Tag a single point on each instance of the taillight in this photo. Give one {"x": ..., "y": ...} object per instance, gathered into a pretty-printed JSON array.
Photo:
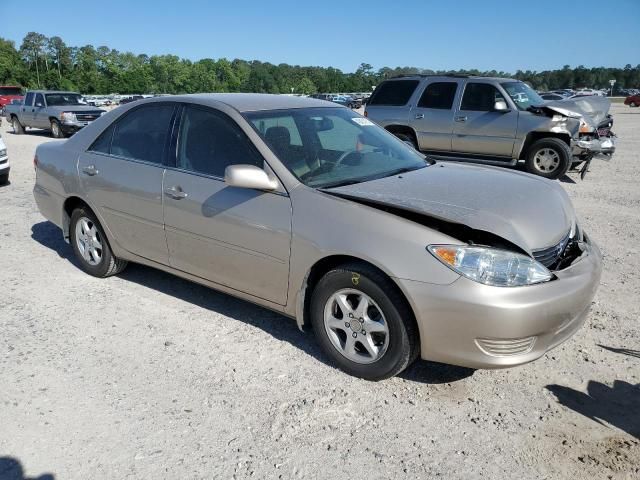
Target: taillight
[
  {"x": 365, "y": 113},
  {"x": 35, "y": 162}
]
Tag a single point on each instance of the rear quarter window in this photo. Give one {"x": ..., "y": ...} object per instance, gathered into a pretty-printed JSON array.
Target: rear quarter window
[{"x": 393, "y": 93}]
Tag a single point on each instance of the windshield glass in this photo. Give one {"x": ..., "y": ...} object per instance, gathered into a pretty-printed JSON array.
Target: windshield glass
[
  {"x": 522, "y": 95},
  {"x": 57, "y": 99},
  {"x": 328, "y": 147},
  {"x": 10, "y": 91}
]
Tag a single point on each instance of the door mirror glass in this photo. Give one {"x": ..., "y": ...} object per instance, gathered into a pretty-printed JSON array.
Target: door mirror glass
[
  {"x": 248, "y": 176},
  {"x": 500, "y": 106}
]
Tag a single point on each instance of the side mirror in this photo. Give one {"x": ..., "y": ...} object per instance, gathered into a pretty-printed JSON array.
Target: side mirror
[
  {"x": 500, "y": 106},
  {"x": 248, "y": 176},
  {"x": 39, "y": 105}
]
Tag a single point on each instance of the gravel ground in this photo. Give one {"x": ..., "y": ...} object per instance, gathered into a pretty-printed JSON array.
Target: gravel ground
[{"x": 145, "y": 375}]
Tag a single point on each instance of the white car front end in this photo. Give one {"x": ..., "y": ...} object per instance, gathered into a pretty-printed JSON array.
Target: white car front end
[{"x": 4, "y": 162}]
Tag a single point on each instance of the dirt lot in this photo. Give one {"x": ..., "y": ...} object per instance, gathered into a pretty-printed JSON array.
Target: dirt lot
[{"x": 145, "y": 375}]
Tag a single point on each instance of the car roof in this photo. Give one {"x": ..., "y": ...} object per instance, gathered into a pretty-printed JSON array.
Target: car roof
[
  {"x": 251, "y": 102},
  {"x": 53, "y": 91},
  {"x": 454, "y": 75}
]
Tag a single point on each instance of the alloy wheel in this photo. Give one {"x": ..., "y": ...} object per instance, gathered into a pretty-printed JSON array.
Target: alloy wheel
[
  {"x": 356, "y": 326},
  {"x": 546, "y": 160},
  {"x": 88, "y": 241}
]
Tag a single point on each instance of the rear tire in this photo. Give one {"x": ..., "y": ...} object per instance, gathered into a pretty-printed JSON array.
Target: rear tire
[
  {"x": 548, "y": 158},
  {"x": 56, "y": 129},
  {"x": 91, "y": 246},
  {"x": 18, "y": 129},
  {"x": 633, "y": 104},
  {"x": 4, "y": 179},
  {"x": 384, "y": 337}
]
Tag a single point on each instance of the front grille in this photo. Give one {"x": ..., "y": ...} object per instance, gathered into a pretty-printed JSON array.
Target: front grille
[
  {"x": 87, "y": 117},
  {"x": 549, "y": 256},
  {"x": 501, "y": 347}
]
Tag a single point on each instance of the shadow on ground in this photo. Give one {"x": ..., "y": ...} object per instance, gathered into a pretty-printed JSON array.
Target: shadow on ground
[
  {"x": 622, "y": 351},
  {"x": 11, "y": 469},
  {"x": 279, "y": 326},
  {"x": 618, "y": 405}
]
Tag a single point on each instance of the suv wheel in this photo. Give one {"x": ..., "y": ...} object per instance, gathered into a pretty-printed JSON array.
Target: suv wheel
[
  {"x": 633, "y": 104},
  {"x": 548, "y": 157},
  {"x": 408, "y": 139},
  {"x": 91, "y": 247},
  {"x": 363, "y": 323}
]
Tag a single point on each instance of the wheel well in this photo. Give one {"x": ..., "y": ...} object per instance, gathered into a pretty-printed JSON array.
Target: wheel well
[
  {"x": 402, "y": 129},
  {"x": 70, "y": 204},
  {"x": 53, "y": 118},
  {"x": 535, "y": 136},
  {"x": 325, "y": 265}
]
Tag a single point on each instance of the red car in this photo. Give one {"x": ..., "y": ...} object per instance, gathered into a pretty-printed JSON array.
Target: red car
[
  {"x": 9, "y": 93},
  {"x": 632, "y": 100}
]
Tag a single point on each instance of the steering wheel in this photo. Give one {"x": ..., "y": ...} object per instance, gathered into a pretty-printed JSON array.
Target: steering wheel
[{"x": 343, "y": 157}]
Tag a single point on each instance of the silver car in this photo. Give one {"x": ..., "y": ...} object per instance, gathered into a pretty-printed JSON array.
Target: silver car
[{"x": 306, "y": 208}]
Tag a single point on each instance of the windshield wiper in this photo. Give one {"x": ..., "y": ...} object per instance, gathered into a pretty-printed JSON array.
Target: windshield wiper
[{"x": 343, "y": 183}]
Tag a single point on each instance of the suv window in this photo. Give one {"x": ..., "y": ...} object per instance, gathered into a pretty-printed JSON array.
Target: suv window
[
  {"x": 39, "y": 99},
  {"x": 28, "y": 100},
  {"x": 142, "y": 133},
  {"x": 439, "y": 95},
  {"x": 210, "y": 141},
  {"x": 394, "y": 92},
  {"x": 480, "y": 97}
]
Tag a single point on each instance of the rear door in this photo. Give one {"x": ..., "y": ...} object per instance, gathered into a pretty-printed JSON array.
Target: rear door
[
  {"x": 388, "y": 104},
  {"x": 236, "y": 237},
  {"x": 122, "y": 173},
  {"x": 432, "y": 117},
  {"x": 478, "y": 128}
]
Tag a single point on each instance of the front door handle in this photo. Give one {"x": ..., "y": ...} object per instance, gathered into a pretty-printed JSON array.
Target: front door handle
[
  {"x": 175, "y": 192},
  {"x": 90, "y": 170},
  {"x": 461, "y": 119},
  {"x": 419, "y": 116}
]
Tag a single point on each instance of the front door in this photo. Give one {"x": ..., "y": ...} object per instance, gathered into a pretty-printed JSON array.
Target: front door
[
  {"x": 479, "y": 128},
  {"x": 236, "y": 237},
  {"x": 40, "y": 119},
  {"x": 432, "y": 118},
  {"x": 121, "y": 175}
]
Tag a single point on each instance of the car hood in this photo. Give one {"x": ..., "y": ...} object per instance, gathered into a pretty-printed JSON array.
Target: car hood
[
  {"x": 528, "y": 211},
  {"x": 594, "y": 109},
  {"x": 74, "y": 108}
]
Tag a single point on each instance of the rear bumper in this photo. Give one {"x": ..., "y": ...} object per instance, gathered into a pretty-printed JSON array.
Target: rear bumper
[{"x": 479, "y": 326}]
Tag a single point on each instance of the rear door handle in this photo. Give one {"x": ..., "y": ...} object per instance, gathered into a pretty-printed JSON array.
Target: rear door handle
[
  {"x": 90, "y": 170},
  {"x": 460, "y": 119},
  {"x": 419, "y": 116},
  {"x": 175, "y": 192}
]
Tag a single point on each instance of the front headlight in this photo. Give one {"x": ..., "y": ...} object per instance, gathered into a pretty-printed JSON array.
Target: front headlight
[
  {"x": 491, "y": 266},
  {"x": 68, "y": 117}
]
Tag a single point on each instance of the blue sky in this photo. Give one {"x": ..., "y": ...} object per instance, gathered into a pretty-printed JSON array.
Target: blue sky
[{"x": 445, "y": 34}]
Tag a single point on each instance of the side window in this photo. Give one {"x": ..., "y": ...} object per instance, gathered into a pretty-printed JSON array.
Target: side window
[
  {"x": 439, "y": 95},
  {"x": 102, "y": 144},
  {"x": 142, "y": 133},
  {"x": 28, "y": 99},
  {"x": 480, "y": 97},
  {"x": 39, "y": 99},
  {"x": 393, "y": 93},
  {"x": 210, "y": 141}
]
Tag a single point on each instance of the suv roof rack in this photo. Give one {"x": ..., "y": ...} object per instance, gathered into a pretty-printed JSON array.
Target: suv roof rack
[{"x": 425, "y": 75}]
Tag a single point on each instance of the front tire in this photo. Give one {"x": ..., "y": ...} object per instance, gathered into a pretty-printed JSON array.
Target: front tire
[
  {"x": 363, "y": 323},
  {"x": 90, "y": 245},
  {"x": 4, "y": 179},
  {"x": 56, "y": 129},
  {"x": 408, "y": 139},
  {"x": 633, "y": 104},
  {"x": 549, "y": 158}
]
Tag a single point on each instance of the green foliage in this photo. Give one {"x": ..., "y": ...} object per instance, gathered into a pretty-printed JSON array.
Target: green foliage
[{"x": 50, "y": 63}]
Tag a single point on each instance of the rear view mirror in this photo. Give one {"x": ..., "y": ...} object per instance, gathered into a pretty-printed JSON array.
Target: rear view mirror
[
  {"x": 500, "y": 106},
  {"x": 248, "y": 176},
  {"x": 322, "y": 124}
]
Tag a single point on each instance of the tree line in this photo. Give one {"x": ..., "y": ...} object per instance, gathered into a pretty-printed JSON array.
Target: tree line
[{"x": 48, "y": 62}]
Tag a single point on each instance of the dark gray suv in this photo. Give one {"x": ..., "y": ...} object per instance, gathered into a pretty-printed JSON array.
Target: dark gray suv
[{"x": 497, "y": 121}]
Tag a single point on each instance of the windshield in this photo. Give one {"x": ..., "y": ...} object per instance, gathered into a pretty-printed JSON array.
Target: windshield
[
  {"x": 6, "y": 91},
  {"x": 522, "y": 95},
  {"x": 328, "y": 147},
  {"x": 57, "y": 99}
]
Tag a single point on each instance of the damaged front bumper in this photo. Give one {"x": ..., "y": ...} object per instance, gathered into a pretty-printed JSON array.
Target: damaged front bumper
[{"x": 602, "y": 148}]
